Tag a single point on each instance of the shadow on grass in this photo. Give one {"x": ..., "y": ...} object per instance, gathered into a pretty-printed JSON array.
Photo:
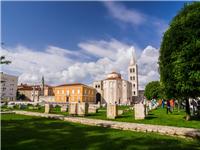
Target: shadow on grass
[{"x": 47, "y": 134}]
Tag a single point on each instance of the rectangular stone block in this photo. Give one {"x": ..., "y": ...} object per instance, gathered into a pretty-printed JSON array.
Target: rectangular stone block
[
  {"x": 120, "y": 112},
  {"x": 47, "y": 108},
  {"x": 112, "y": 111},
  {"x": 82, "y": 109},
  {"x": 72, "y": 108},
  {"x": 63, "y": 108},
  {"x": 139, "y": 111},
  {"x": 92, "y": 110}
]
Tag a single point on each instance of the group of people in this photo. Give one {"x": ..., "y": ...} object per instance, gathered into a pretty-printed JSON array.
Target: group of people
[{"x": 169, "y": 105}]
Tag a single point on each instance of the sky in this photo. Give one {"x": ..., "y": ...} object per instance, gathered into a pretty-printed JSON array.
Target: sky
[{"x": 70, "y": 42}]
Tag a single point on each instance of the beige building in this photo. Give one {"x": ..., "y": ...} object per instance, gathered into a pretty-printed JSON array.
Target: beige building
[
  {"x": 34, "y": 92},
  {"x": 113, "y": 89},
  {"x": 8, "y": 87},
  {"x": 75, "y": 92}
]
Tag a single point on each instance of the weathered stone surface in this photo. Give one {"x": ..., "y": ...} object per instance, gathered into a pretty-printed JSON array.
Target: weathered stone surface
[
  {"x": 120, "y": 112},
  {"x": 63, "y": 108},
  {"x": 139, "y": 111},
  {"x": 73, "y": 108},
  {"x": 47, "y": 108},
  {"x": 112, "y": 111},
  {"x": 82, "y": 109}
]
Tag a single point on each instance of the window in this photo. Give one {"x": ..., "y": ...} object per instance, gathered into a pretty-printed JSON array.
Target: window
[
  {"x": 73, "y": 91},
  {"x": 98, "y": 86},
  {"x": 130, "y": 70},
  {"x": 133, "y": 85},
  {"x": 78, "y": 91},
  {"x": 95, "y": 86},
  {"x": 134, "y": 92},
  {"x": 57, "y": 91},
  {"x": 133, "y": 69},
  {"x": 131, "y": 78},
  {"x": 85, "y": 91},
  {"x": 62, "y": 91},
  {"x": 67, "y": 92}
]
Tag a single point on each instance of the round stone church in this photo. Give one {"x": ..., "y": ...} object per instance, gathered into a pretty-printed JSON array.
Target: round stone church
[{"x": 115, "y": 90}]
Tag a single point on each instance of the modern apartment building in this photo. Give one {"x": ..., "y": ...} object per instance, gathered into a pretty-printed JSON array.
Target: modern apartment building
[{"x": 8, "y": 87}]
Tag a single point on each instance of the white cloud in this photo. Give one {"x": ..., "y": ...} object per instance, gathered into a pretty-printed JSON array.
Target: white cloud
[
  {"x": 148, "y": 66},
  {"x": 121, "y": 13},
  {"x": 61, "y": 66},
  {"x": 135, "y": 18}
]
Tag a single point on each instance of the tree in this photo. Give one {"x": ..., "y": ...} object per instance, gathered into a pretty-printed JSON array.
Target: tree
[
  {"x": 179, "y": 61},
  {"x": 153, "y": 90},
  {"x": 3, "y": 61}
]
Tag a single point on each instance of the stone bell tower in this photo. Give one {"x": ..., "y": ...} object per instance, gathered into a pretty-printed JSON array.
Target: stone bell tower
[{"x": 133, "y": 73}]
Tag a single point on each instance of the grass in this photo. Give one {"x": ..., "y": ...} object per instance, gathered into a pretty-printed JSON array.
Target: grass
[
  {"x": 156, "y": 117},
  {"x": 30, "y": 133}
]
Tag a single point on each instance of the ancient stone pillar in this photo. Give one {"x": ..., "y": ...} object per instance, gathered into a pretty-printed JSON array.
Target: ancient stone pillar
[
  {"x": 112, "y": 111},
  {"x": 82, "y": 109},
  {"x": 47, "y": 108},
  {"x": 139, "y": 111},
  {"x": 72, "y": 108}
]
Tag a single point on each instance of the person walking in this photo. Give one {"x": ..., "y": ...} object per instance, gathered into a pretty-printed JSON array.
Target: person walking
[{"x": 168, "y": 107}]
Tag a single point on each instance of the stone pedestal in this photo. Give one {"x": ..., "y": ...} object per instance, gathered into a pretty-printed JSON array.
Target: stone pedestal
[
  {"x": 82, "y": 109},
  {"x": 139, "y": 111},
  {"x": 112, "y": 111},
  {"x": 120, "y": 112},
  {"x": 47, "y": 108},
  {"x": 72, "y": 108},
  {"x": 92, "y": 109},
  {"x": 63, "y": 108}
]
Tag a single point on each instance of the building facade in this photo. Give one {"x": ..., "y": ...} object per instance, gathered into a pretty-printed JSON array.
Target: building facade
[
  {"x": 8, "y": 86},
  {"x": 76, "y": 92},
  {"x": 34, "y": 92},
  {"x": 114, "y": 89}
]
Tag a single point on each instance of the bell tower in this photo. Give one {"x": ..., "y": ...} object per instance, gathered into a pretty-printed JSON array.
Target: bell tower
[{"x": 133, "y": 73}]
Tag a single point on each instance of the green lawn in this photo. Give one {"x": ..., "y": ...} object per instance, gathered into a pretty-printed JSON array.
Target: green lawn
[
  {"x": 33, "y": 133},
  {"x": 158, "y": 117}
]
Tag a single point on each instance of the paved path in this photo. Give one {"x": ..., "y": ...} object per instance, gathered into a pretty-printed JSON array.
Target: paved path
[{"x": 169, "y": 130}]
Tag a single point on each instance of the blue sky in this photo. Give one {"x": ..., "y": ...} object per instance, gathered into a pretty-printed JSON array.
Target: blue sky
[
  {"x": 64, "y": 24},
  {"x": 83, "y": 41}
]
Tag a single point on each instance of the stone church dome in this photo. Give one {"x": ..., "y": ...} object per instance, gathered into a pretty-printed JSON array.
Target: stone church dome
[{"x": 114, "y": 75}]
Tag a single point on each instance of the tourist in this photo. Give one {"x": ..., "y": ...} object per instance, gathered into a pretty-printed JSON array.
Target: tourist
[
  {"x": 163, "y": 103},
  {"x": 168, "y": 107},
  {"x": 171, "y": 105}
]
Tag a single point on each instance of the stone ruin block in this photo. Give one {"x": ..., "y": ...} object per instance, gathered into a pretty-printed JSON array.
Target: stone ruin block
[
  {"x": 120, "y": 112},
  {"x": 139, "y": 111},
  {"x": 72, "y": 108},
  {"x": 47, "y": 108},
  {"x": 63, "y": 108},
  {"x": 82, "y": 109},
  {"x": 112, "y": 111}
]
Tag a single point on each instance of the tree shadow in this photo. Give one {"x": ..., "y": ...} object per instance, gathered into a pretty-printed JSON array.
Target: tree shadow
[{"x": 47, "y": 134}]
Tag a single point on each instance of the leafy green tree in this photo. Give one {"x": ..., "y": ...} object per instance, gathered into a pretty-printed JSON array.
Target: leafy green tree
[
  {"x": 179, "y": 61},
  {"x": 153, "y": 90},
  {"x": 20, "y": 96},
  {"x": 3, "y": 61}
]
